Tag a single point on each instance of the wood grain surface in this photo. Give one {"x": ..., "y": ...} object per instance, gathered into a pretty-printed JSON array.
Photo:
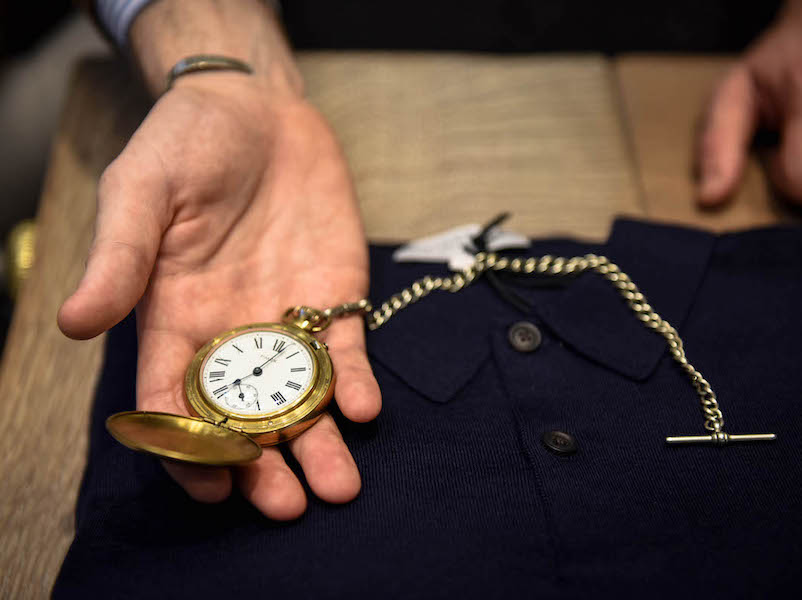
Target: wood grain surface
[
  {"x": 432, "y": 140},
  {"x": 46, "y": 380},
  {"x": 436, "y": 140}
]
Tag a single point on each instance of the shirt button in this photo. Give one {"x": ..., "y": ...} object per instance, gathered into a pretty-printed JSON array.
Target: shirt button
[
  {"x": 559, "y": 442},
  {"x": 524, "y": 336}
]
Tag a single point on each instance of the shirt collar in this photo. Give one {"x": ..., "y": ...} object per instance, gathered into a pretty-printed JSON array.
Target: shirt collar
[{"x": 437, "y": 344}]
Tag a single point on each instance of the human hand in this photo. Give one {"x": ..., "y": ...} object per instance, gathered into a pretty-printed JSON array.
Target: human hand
[
  {"x": 229, "y": 204},
  {"x": 764, "y": 88}
]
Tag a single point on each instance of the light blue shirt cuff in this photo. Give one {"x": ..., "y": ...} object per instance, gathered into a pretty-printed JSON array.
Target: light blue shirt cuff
[{"x": 117, "y": 16}]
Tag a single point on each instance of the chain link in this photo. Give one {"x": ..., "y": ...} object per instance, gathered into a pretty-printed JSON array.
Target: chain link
[
  {"x": 341, "y": 310},
  {"x": 559, "y": 266}
]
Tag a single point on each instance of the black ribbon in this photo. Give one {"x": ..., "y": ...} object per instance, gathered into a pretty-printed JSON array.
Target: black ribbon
[{"x": 500, "y": 280}]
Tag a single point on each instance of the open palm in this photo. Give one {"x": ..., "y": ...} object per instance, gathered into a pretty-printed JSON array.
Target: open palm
[{"x": 226, "y": 208}]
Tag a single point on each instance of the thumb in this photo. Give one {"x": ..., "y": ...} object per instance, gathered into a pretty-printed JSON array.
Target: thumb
[
  {"x": 131, "y": 218},
  {"x": 724, "y": 138}
]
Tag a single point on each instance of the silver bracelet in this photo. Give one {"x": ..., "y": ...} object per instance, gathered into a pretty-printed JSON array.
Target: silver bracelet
[{"x": 205, "y": 62}]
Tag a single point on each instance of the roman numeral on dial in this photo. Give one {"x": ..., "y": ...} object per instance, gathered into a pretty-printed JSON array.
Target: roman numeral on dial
[
  {"x": 297, "y": 369},
  {"x": 220, "y": 391},
  {"x": 222, "y": 361},
  {"x": 258, "y": 342},
  {"x": 216, "y": 375},
  {"x": 293, "y": 385},
  {"x": 278, "y": 345},
  {"x": 278, "y": 398}
]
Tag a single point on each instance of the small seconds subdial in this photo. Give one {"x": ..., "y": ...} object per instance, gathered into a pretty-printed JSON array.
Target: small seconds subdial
[
  {"x": 257, "y": 372},
  {"x": 241, "y": 396}
]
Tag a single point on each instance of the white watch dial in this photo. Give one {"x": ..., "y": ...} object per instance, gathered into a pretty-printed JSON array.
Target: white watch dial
[{"x": 257, "y": 372}]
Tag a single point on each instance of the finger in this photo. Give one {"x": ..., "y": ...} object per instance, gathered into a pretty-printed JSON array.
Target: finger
[
  {"x": 204, "y": 484},
  {"x": 271, "y": 486},
  {"x": 161, "y": 364},
  {"x": 724, "y": 139},
  {"x": 785, "y": 166},
  {"x": 356, "y": 390},
  {"x": 131, "y": 218},
  {"x": 328, "y": 465}
]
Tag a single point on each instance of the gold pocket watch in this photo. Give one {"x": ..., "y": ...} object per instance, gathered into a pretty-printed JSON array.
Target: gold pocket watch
[{"x": 252, "y": 386}]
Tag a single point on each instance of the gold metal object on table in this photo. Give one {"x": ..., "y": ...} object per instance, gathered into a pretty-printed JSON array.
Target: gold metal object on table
[
  {"x": 20, "y": 254},
  {"x": 251, "y": 386},
  {"x": 560, "y": 266}
]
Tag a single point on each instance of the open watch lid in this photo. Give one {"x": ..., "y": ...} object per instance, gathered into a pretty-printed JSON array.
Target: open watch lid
[{"x": 185, "y": 439}]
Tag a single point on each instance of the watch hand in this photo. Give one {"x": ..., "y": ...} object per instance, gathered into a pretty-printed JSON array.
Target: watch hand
[
  {"x": 271, "y": 358},
  {"x": 258, "y": 370}
]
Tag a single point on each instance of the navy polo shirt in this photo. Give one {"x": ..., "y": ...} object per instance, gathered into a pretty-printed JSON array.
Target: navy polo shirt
[{"x": 461, "y": 497}]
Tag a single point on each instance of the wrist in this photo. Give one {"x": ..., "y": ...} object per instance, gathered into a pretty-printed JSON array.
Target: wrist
[{"x": 170, "y": 30}]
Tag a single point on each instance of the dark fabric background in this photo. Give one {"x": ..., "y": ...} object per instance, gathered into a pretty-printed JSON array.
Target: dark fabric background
[{"x": 527, "y": 25}]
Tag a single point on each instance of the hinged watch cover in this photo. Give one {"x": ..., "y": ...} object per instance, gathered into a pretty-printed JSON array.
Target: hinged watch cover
[{"x": 186, "y": 439}]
